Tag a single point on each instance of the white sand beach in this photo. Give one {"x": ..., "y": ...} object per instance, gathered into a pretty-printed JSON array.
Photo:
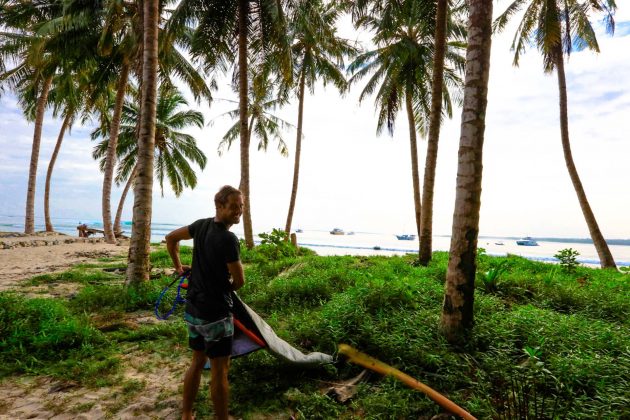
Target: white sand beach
[{"x": 24, "y": 256}]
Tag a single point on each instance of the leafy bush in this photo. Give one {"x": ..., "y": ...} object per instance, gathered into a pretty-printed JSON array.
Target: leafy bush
[
  {"x": 274, "y": 246},
  {"x": 490, "y": 278},
  {"x": 568, "y": 259}
]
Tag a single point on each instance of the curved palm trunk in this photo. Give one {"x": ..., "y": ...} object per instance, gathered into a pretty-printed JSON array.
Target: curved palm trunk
[
  {"x": 457, "y": 310},
  {"x": 29, "y": 219},
  {"x": 426, "y": 225},
  {"x": 605, "y": 257},
  {"x": 414, "y": 159},
  {"x": 243, "y": 10},
  {"x": 298, "y": 151},
  {"x": 110, "y": 159},
  {"x": 51, "y": 165},
  {"x": 123, "y": 197},
  {"x": 138, "y": 268}
]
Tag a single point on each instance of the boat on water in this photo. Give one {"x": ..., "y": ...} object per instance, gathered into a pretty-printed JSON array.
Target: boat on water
[
  {"x": 499, "y": 243},
  {"x": 298, "y": 231},
  {"x": 527, "y": 241},
  {"x": 406, "y": 237},
  {"x": 337, "y": 231}
]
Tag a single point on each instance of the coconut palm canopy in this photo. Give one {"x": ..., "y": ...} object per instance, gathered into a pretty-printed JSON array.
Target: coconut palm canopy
[{"x": 174, "y": 149}]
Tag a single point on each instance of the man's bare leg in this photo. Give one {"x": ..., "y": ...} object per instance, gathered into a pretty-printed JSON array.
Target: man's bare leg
[
  {"x": 192, "y": 379},
  {"x": 219, "y": 387}
]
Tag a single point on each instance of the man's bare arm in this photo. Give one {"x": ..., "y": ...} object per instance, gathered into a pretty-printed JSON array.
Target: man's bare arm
[
  {"x": 172, "y": 245},
  {"x": 238, "y": 276}
]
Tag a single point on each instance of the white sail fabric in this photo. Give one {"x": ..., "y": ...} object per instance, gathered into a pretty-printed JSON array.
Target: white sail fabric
[{"x": 276, "y": 345}]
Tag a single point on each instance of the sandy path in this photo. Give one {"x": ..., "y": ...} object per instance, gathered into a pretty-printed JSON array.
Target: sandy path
[
  {"x": 41, "y": 397},
  {"x": 22, "y": 257}
]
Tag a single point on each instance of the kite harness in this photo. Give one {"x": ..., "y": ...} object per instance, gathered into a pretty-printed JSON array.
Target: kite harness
[{"x": 179, "y": 299}]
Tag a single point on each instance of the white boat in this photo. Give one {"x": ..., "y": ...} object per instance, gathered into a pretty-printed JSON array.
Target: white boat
[
  {"x": 406, "y": 237},
  {"x": 527, "y": 241},
  {"x": 499, "y": 243},
  {"x": 337, "y": 231}
]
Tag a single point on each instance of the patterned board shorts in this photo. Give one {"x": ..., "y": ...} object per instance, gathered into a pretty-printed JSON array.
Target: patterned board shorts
[{"x": 215, "y": 338}]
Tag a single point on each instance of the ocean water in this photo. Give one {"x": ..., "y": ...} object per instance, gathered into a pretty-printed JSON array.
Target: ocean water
[{"x": 363, "y": 243}]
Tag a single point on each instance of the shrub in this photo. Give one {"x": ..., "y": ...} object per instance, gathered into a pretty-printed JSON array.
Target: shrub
[
  {"x": 568, "y": 259},
  {"x": 490, "y": 278}
]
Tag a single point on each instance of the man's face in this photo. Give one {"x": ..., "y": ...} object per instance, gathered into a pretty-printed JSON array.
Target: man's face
[{"x": 231, "y": 211}]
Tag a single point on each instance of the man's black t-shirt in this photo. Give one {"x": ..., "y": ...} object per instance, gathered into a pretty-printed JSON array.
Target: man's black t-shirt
[{"x": 209, "y": 288}]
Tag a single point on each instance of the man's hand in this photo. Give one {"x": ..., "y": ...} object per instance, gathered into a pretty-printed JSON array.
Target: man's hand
[{"x": 182, "y": 270}]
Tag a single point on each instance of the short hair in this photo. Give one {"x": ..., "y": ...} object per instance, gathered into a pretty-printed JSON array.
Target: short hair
[{"x": 221, "y": 198}]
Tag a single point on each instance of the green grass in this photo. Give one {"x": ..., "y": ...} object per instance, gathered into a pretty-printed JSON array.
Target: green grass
[{"x": 564, "y": 333}]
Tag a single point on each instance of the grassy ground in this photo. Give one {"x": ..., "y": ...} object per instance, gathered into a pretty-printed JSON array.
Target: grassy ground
[{"x": 554, "y": 340}]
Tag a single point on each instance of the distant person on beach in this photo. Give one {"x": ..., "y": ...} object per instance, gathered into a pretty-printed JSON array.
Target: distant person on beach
[
  {"x": 216, "y": 260},
  {"x": 83, "y": 230}
]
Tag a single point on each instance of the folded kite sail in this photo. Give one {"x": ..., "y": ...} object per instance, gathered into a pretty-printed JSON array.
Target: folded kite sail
[{"x": 252, "y": 333}]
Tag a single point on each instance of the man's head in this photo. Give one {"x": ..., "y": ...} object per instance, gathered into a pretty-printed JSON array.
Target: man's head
[{"x": 229, "y": 204}]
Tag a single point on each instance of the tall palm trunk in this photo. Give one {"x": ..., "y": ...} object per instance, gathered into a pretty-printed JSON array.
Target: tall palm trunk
[
  {"x": 110, "y": 159},
  {"x": 298, "y": 151},
  {"x": 29, "y": 219},
  {"x": 437, "y": 84},
  {"x": 123, "y": 197},
  {"x": 414, "y": 159},
  {"x": 250, "y": 128},
  {"x": 138, "y": 268},
  {"x": 51, "y": 165},
  {"x": 605, "y": 257},
  {"x": 457, "y": 310},
  {"x": 243, "y": 11}
]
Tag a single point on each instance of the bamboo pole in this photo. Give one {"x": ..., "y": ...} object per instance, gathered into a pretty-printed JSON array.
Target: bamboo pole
[{"x": 369, "y": 362}]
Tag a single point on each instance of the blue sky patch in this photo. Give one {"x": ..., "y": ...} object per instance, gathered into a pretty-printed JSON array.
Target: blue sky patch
[{"x": 622, "y": 28}]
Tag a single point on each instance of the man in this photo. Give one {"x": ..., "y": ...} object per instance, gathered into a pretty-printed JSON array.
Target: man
[{"x": 216, "y": 259}]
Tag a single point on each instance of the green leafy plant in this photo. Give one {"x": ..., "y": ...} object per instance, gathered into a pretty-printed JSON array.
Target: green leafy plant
[
  {"x": 490, "y": 278},
  {"x": 568, "y": 259},
  {"x": 276, "y": 237},
  {"x": 549, "y": 277},
  {"x": 276, "y": 245},
  {"x": 532, "y": 391}
]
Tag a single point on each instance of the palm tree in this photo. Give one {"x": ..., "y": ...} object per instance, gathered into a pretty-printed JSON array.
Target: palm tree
[
  {"x": 318, "y": 54},
  {"x": 29, "y": 222},
  {"x": 138, "y": 268},
  {"x": 435, "y": 120},
  {"x": 401, "y": 64},
  {"x": 237, "y": 31},
  {"x": 262, "y": 122},
  {"x": 68, "y": 100},
  {"x": 457, "y": 309},
  {"x": 119, "y": 41},
  {"x": 557, "y": 28},
  {"x": 119, "y": 45},
  {"x": 174, "y": 150},
  {"x": 34, "y": 67}
]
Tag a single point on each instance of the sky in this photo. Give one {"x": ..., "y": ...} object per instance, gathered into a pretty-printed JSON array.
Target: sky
[{"x": 353, "y": 179}]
